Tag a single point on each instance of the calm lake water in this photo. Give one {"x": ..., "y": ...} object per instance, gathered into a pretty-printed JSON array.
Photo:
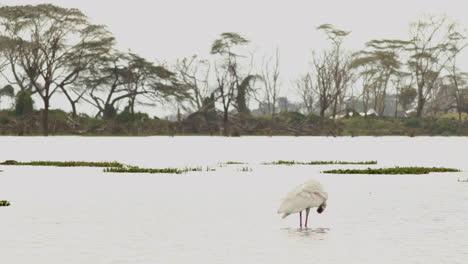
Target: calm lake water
[{"x": 83, "y": 215}]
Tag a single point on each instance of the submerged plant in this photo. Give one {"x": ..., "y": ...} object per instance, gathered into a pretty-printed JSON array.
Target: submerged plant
[
  {"x": 5, "y": 203},
  {"x": 395, "y": 170},
  {"x": 64, "y": 163},
  {"x": 285, "y": 162},
  {"x": 210, "y": 169},
  {"x": 246, "y": 169}
]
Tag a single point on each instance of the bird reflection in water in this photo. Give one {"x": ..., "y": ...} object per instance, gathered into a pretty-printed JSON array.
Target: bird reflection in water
[{"x": 318, "y": 233}]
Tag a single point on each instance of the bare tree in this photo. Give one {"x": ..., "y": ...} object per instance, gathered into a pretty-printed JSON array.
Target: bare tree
[
  {"x": 305, "y": 89},
  {"x": 268, "y": 94},
  {"x": 324, "y": 87},
  {"x": 194, "y": 74}
]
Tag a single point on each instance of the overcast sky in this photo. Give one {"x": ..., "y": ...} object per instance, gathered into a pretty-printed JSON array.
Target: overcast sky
[{"x": 166, "y": 30}]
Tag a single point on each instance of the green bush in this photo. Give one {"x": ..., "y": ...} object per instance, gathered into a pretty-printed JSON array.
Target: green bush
[
  {"x": 413, "y": 122},
  {"x": 24, "y": 103}
]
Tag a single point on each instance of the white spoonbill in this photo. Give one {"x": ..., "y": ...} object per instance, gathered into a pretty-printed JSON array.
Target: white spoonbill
[{"x": 305, "y": 196}]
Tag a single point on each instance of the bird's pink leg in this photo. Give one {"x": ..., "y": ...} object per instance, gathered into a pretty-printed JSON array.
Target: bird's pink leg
[
  {"x": 300, "y": 219},
  {"x": 307, "y": 216}
]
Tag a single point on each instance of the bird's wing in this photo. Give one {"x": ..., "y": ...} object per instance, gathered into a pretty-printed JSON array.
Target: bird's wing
[{"x": 301, "y": 198}]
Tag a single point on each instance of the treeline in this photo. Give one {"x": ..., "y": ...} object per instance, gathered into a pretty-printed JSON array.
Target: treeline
[{"x": 47, "y": 50}]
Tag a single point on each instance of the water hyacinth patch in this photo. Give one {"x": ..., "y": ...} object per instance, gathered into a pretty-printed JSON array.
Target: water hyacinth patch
[
  {"x": 187, "y": 169},
  {"x": 285, "y": 162},
  {"x": 135, "y": 169},
  {"x": 395, "y": 170},
  {"x": 64, "y": 163},
  {"x": 5, "y": 203}
]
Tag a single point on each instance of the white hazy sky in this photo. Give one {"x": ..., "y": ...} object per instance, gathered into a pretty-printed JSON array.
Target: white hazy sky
[{"x": 166, "y": 30}]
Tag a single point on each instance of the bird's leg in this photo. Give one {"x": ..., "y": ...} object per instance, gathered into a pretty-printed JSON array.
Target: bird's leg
[
  {"x": 300, "y": 219},
  {"x": 307, "y": 216}
]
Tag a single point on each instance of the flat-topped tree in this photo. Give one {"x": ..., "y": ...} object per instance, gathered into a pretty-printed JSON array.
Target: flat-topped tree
[
  {"x": 379, "y": 66},
  {"x": 338, "y": 63},
  {"x": 232, "y": 85},
  {"x": 127, "y": 77},
  {"x": 431, "y": 44},
  {"x": 49, "y": 46}
]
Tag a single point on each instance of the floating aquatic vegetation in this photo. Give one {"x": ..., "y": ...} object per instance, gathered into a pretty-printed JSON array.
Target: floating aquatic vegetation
[
  {"x": 135, "y": 169},
  {"x": 5, "y": 203},
  {"x": 285, "y": 162},
  {"x": 64, "y": 163},
  {"x": 395, "y": 170}
]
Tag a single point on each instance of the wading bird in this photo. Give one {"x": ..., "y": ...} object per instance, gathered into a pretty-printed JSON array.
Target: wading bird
[{"x": 305, "y": 196}]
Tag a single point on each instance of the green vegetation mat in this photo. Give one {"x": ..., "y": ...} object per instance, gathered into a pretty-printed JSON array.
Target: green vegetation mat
[
  {"x": 284, "y": 162},
  {"x": 396, "y": 170},
  {"x": 4, "y": 203},
  {"x": 134, "y": 169},
  {"x": 63, "y": 163}
]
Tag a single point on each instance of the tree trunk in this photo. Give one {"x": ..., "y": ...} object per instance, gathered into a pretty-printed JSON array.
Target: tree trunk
[
  {"x": 420, "y": 107},
  {"x": 45, "y": 118},
  {"x": 322, "y": 117},
  {"x": 335, "y": 106},
  {"x": 226, "y": 123},
  {"x": 73, "y": 105}
]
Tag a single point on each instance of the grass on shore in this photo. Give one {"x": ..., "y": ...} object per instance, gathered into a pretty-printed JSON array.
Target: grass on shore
[
  {"x": 284, "y": 162},
  {"x": 4, "y": 203},
  {"x": 64, "y": 163},
  {"x": 395, "y": 170}
]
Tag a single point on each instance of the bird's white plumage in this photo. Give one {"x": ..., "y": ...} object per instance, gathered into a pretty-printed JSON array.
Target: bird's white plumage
[{"x": 307, "y": 195}]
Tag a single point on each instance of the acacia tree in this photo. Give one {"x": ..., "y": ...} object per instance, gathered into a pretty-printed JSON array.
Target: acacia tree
[
  {"x": 379, "y": 67},
  {"x": 431, "y": 40},
  {"x": 49, "y": 47},
  {"x": 457, "y": 81},
  {"x": 129, "y": 78},
  {"x": 232, "y": 85},
  {"x": 338, "y": 63}
]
